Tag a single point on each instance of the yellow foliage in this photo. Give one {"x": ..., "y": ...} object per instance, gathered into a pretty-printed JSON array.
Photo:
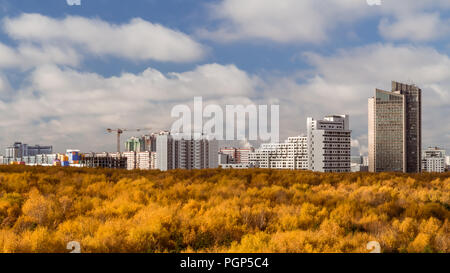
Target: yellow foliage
[{"x": 42, "y": 209}]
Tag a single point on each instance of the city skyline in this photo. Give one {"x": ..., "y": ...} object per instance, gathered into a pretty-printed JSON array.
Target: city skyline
[{"x": 65, "y": 90}]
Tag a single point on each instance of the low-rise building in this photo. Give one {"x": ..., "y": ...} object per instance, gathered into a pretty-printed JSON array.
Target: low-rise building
[{"x": 433, "y": 160}]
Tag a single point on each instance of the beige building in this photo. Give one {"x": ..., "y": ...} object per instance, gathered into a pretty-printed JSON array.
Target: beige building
[
  {"x": 395, "y": 129},
  {"x": 329, "y": 144}
]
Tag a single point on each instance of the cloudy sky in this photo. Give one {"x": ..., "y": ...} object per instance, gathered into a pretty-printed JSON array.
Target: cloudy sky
[{"x": 69, "y": 72}]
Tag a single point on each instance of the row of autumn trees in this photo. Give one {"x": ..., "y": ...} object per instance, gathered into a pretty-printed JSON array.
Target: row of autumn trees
[{"x": 42, "y": 209}]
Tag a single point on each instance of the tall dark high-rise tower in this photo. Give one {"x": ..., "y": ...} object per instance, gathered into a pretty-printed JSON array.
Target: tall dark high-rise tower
[{"x": 395, "y": 129}]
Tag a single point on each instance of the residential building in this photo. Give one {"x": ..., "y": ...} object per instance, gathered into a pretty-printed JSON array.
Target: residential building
[
  {"x": 150, "y": 142},
  {"x": 292, "y": 155},
  {"x": 135, "y": 144},
  {"x": 433, "y": 160},
  {"x": 329, "y": 144},
  {"x": 131, "y": 160},
  {"x": 165, "y": 159},
  {"x": 153, "y": 156},
  {"x": 178, "y": 152},
  {"x": 143, "y": 160},
  {"x": 395, "y": 134},
  {"x": 237, "y": 155}
]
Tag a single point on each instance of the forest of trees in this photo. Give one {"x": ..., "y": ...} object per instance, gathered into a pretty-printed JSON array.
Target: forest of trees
[{"x": 42, "y": 209}]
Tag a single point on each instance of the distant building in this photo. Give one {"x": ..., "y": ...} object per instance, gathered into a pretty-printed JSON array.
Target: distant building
[
  {"x": 104, "y": 160},
  {"x": 224, "y": 159},
  {"x": 237, "y": 155},
  {"x": 292, "y": 155},
  {"x": 143, "y": 160},
  {"x": 329, "y": 144},
  {"x": 19, "y": 150},
  {"x": 395, "y": 134},
  {"x": 366, "y": 161},
  {"x": 358, "y": 164},
  {"x": 165, "y": 151},
  {"x": 39, "y": 150},
  {"x": 131, "y": 160},
  {"x": 178, "y": 152},
  {"x": 433, "y": 160},
  {"x": 150, "y": 142},
  {"x": 135, "y": 144},
  {"x": 145, "y": 143},
  {"x": 235, "y": 166},
  {"x": 358, "y": 159}
]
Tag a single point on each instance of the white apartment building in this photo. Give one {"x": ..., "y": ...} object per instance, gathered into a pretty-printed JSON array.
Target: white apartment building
[
  {"x": 178, "y": 152},
  {"x": 143, "y": 160},
  {"x": 292, "y": 155},
  {"x": 329, "y": 144},
  {"x": 433, "y": 160},
  {"x": 131, "y": 160}
]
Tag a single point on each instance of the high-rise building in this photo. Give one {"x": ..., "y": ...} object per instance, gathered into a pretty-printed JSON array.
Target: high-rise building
[
  {"x": 395, "y": 135},
  {"x": 433, "y": 160},
  {"x": 145, "y": 143},
  {"x": 149, "y": 142},
  {"x": 292, "y": 155},
  {"x": 165, "y": 159},
  {"x": 329, "y": 144},
  {"x": 177, "y": 152},
  {"x": 135, "y": 144}
]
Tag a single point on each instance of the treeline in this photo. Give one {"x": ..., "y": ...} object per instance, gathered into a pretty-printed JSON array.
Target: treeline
[{"x": 42, "y": 209}]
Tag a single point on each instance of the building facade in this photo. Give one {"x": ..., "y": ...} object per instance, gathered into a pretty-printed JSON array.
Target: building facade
[
  {"x": 104, "y": 160},
  {"x": 236, "y": 155},
  {"x": 395, "y": 134},
  {"x": 178, "y": 152},
  {"x": 19, "y": 150},
  {"x": 433, "y": 160},
  {"x": 291, "y": 155},
  {"x": 329, "y": 144}
]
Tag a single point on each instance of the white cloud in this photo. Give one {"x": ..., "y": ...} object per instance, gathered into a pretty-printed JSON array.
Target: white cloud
[
  {"x": 137, "y": 40},
  {"x": 5, "y": 88},
  {"x": 343, "y": 82},
  {"x": 282, "y": 21},
  {"x": 312, "y": 21},
  {"x": 67, "y": 106},
  {"x": 26, "y": 56},
  {"x": 415, "y": 27}
]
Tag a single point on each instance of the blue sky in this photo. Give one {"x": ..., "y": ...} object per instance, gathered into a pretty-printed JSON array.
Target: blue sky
[{"x": 132, "y": 61}]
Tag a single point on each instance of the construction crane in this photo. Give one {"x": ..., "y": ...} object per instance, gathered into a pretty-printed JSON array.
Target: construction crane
[{"x": 121, "y": 131}]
